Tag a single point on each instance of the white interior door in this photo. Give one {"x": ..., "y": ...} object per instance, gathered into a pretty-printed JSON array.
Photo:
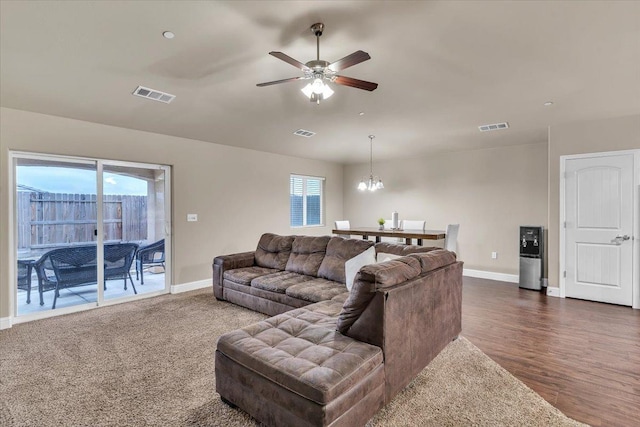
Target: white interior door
[{"x": 599, "y": 228}]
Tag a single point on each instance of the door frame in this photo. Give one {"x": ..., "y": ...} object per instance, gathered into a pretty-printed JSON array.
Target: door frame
[
  {"x": 13, "y": 230},
  {"x": 635, "y": 231}
]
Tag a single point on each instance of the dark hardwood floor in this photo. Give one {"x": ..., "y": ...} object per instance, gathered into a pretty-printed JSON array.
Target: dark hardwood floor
[{"x": 582, "y": 357}]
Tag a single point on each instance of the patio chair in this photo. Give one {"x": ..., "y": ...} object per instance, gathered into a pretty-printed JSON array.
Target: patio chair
[
  {"x": 25, "y": 266},
  {"x": 150, "y": 255},
  {"x": 74, "y": 266}
]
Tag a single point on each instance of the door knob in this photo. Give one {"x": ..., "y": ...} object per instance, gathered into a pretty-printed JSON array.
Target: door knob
[{"x": 619, "y": 239}]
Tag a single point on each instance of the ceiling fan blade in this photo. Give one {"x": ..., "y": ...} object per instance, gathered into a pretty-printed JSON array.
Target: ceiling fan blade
[
  {"x": 359, "y": 84},
  {"x": 275, "y": 82},
  {"x": 290, "y": 60},
  {"x": 349, "y": 61}
]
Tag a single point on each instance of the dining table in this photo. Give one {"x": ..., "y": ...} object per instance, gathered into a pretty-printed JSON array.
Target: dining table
[{"x": 407, "y": 235}]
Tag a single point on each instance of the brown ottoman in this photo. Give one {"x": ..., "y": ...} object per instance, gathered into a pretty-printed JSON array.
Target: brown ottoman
[{"x": 294, "y": 369}]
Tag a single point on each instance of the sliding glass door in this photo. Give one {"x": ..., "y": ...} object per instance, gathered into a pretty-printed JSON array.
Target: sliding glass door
[
  {"x": 135, "y": 225},
  {"x": 55, "y": 214},
  {"x": 88, "y": 232}
]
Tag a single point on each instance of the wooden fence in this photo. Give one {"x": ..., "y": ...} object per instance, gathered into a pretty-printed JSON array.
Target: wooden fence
[{"x": 56, "y": 219}]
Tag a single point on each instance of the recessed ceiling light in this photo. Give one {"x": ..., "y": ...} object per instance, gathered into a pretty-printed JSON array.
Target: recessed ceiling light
[
  {"x": 361, "y": 113},
  {"x": 548, "y": 104},
  {"x": 168, "y": 35}
]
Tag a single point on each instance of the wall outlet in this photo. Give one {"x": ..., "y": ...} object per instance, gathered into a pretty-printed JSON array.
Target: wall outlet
[
  {"x": 192, "y": 217},
  {"x": 494, "y": 255}
]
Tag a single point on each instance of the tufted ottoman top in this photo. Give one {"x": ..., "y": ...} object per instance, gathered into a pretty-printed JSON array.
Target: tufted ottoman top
[{"x": 301, "y": 351}]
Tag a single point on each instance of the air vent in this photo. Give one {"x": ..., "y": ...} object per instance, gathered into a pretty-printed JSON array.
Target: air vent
[
  {"x": 154, "y": 95},
  {"x": 495, "y": 126},
  {"x": 305, "y": 133}
]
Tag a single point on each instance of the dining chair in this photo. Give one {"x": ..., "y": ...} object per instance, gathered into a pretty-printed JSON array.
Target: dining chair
[
  {"x": 343, "y": 225},
  {"x": 451, "y": 239},
  {"x": 409, "y": 224}
]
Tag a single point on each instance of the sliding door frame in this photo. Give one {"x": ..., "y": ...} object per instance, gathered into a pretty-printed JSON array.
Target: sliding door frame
[{"x": 99, "y": 166}]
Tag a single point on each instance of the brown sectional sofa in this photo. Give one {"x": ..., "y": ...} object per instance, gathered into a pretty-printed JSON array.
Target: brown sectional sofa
[{"x": 331, "y": 357}]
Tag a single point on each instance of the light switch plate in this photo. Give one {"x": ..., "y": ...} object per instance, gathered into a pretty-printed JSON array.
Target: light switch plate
[
  {"x": 192, "y": 217},
  {"x": 494, "y": 255}
]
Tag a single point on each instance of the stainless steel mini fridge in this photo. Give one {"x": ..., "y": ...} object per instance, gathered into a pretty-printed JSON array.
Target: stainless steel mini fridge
[{"x": 531, "y": 257}]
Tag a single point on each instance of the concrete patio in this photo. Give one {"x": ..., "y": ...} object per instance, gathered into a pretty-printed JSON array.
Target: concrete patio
[{"x": 153, "y": 282}]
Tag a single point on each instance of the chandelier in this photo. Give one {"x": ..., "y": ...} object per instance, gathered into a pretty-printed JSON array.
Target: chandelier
[{"x": 372, "y": 183}]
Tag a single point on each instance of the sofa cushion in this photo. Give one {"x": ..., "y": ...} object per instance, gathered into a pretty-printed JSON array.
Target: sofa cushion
[
  {"x": 401, "y": 249},
  {"x": 370, "y": 278},
  {"x": 307, "y": 253},
  {"x": 316, "y": 290},
  {"x": 244, "y": 276},
  {"x": 435, "y": 259},
  {"x": 339, "y": 250},
  {"x": 273, "y": 251},
  {"x": 279, "y": 282},
  {"x": 294, "y": 351}
]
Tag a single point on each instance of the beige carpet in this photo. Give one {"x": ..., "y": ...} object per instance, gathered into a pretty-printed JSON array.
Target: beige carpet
[{"x": 150, "y": 363}]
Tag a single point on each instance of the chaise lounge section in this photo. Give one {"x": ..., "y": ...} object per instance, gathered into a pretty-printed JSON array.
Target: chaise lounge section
[{"x": 338, "y": 360}]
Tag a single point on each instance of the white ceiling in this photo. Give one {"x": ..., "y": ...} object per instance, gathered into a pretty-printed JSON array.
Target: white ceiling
[{"x": 443, "y": 69}]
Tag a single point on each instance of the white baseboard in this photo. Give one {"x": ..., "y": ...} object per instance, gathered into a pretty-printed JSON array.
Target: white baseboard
[
  {"x": 5, "y": 322},
  {"x": 501, "y": 277},
  {"x": 553, "y": 291},
  {"x": 191, "y": 286}
]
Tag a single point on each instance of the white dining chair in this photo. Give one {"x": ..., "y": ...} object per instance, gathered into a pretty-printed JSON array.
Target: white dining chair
[
  {"x": 451, "y": 239},
  {"x": 409, "y": 224},
  {"x": 343, "y": 225}
]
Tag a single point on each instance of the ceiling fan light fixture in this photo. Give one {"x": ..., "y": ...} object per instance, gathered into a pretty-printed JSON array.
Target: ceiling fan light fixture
[
  {"x": 318, "y": 86},
  {"x": 317, "y": 91},
  {"x": 327, "y": 91}
]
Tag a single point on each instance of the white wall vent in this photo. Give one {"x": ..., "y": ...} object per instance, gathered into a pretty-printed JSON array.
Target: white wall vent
[
  {"x": 154, "y": 95},
  {"x": 305, "y": 133},
  {"x": 495, "y": 126}
]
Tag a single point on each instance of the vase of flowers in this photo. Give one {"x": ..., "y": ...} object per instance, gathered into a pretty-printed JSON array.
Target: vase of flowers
[{"x": 381, "y": 223}]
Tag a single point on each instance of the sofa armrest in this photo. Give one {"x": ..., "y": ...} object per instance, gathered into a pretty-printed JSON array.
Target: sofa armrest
[
  {"x": 411, "y": 321},
  {"x": 229, "y": 262}
]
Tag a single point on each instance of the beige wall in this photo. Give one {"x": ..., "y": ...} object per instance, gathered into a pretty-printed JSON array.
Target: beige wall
[
  {"x": 489, "y": 192},
  {"x": 238, "y": 194},
  {"x": 620, "y": 133}
]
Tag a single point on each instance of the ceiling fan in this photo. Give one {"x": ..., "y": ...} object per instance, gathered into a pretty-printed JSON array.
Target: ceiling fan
[{"x": 322, "y": 72}]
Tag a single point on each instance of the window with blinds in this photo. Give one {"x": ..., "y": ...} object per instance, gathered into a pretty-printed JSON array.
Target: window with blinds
[{"x": 306, "y": 195}]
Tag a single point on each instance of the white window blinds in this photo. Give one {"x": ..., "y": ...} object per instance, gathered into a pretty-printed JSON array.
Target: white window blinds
[{"x": 306, "y": 195}]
